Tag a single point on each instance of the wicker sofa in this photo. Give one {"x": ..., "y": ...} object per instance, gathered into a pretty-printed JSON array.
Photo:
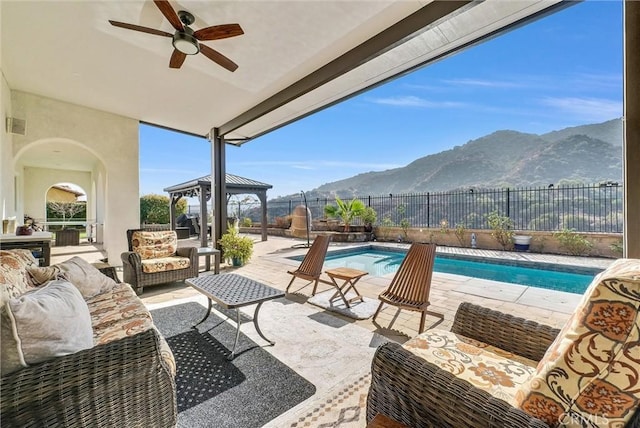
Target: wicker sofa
[
  {"x": 154, "y": 258},
  {"x": 497, "y": 370},
  {"x": 123, "y": 377}
]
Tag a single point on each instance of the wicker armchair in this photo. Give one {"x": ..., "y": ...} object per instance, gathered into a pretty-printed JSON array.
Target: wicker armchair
[
  {"x": 134, "y": 274},
  {"x": 417, "y": 393}
]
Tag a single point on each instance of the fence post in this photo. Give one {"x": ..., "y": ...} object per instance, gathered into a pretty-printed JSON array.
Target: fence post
[
  {"x": 508, "y": 204},
  {"x": 428, "y": 211}
]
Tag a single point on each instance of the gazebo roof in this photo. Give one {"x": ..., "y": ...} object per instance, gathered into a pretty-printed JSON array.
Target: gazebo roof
[{"x": 234, "y": 185}]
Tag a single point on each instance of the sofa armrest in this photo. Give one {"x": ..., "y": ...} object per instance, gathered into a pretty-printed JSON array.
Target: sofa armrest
[
  {"x": 412, "y": 391},
  {"x": 517, "y": 335},
  {"x": 121, "y": 383},
  {"x": 192, "y": 254}
]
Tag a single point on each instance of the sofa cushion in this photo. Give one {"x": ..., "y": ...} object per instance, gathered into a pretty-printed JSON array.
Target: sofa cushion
[
  {"x": 589, "y": 375},
  {"x": 164, "y": 264},
  {"x": 13, "y": 273},
  {"x": 119, "y": 313},
  {"x": 48, "y": 322},
  {"x": 152, "y": 245},
  {"x": 486, "y": 367},
  {"x": 89, "y": 280}
]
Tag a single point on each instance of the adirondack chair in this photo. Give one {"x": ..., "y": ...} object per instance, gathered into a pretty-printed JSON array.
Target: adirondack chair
[
  {"x": 409, "y": 288},
  {"x": 311, "y": 267}
]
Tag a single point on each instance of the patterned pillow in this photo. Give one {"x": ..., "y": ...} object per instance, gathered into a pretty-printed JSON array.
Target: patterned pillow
[
  {"x": 13, "y": 273},
  {"x": 152, "y": 245},
  {"x": 588, "y": 376}
]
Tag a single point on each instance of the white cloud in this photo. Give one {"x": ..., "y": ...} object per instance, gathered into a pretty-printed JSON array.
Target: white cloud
[
  {"x": 413, "y": 101},
  {"x": 483, "y": 83},
  {"x": 319, "y": 164},
  {"x": 585, "y": 108}
]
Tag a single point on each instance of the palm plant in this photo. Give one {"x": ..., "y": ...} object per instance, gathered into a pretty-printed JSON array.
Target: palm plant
[{"x": 346, "y": 211}]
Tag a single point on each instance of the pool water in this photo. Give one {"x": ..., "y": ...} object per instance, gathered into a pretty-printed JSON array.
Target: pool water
[{"x": 381, "y": 262}]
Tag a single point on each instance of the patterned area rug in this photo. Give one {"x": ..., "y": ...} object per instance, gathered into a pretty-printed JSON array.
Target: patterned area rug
[
  {"x": 344, "y": 406},
  {"x": 358, "y": 310}
]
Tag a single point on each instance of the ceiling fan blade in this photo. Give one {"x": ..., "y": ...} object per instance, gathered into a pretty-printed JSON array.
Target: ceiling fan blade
[
  {"x": 140, "y": 28},
  {"x": 169, "y": 13},
  {"x": 177, "y": 59},
  {"x": 216, "y": 32},
  {"x": 218, "y": 58}
]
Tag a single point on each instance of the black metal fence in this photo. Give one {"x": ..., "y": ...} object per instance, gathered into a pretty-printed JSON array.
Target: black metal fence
[{"x": 585, "y": 208}]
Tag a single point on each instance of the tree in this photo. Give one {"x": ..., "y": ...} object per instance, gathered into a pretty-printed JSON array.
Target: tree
[
  {"x": 155, "y": 208},
  {"x": 66, "y": 210},
  {"x": 347, "y": 211}
]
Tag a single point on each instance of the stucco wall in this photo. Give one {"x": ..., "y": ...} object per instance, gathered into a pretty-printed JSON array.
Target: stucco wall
[
  {"x": 7, "y": 201},
  {"x": 61, "y": 195},
  {"x": 38, "y": 181},
  {"x": 112, "y": 139}
]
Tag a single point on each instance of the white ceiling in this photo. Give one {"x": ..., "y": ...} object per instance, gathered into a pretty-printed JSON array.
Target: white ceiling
[{"x": 68, "y": 51}]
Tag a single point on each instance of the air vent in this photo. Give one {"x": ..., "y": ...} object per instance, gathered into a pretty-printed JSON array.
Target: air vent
[{"x": 16, "y": 126}]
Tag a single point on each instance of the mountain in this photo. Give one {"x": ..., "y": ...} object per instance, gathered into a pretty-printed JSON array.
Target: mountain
[{"x": 587, "y": 154}]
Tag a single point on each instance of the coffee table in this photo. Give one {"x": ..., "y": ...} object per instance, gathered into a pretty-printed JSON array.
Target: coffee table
[
  {"x": 232, "y": 291},
  {"x": 349, "y": 277}
]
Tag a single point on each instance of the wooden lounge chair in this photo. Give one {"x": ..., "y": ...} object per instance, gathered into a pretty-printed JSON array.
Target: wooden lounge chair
[
  {"x": 311, "y": 267},
  {"x": 409, "y": 288}
]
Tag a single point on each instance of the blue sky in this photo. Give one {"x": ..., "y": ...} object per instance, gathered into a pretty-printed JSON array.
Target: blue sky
[{"x": 563, "y": 70}]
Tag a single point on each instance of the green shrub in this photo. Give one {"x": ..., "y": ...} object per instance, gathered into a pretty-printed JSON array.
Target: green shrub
[
  {"x": 572, "y": 242},
  {"x": 247, "y": 222},
  {"x": 502, "y": 227},
  {"x": 617, "y": 247},
  {"x": 460, "y": 232},
  {"x": 154, "y": 209},
  {"x": 235, "y": 246}
]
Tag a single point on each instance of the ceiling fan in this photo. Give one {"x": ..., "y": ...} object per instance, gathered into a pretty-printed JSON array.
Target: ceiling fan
[{"x": 185, "y": 40}]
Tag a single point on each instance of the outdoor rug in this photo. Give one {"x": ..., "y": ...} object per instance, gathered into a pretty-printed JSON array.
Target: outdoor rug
[
  {"x": 246, "y": 392},
  {"x": 358, "y": 310},
  {"x": 344, "y": 406}
]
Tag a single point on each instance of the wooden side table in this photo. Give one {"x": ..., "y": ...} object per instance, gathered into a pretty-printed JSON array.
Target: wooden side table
[{"x": 349, "y": 278}]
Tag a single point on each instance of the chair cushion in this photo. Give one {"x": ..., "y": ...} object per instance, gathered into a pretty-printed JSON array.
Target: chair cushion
[
  {"x": 152, "y": 245},
  {"x": 165, "y": 264},
  {"x": 589, "y": 375},
  {"x": 486, "y": 367}
]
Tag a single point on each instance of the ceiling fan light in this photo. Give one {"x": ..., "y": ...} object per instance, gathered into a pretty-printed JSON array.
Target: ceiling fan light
[{"x": 186, "y": 43}]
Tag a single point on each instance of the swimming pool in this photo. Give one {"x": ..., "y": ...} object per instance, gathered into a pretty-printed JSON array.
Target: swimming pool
[{"x": 379, "y": 261}]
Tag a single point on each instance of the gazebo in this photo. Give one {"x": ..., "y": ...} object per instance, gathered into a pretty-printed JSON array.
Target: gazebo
[{"x": 201, "y": 188}]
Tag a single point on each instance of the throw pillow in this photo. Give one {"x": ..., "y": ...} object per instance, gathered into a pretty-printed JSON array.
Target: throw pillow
[
  {"x": 42, "y": 275},
  {"x": 48, "y": 322},
  {"x": 89, "y": 280}
]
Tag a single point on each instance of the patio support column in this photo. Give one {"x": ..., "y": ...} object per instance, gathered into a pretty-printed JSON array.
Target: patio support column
[
  {"x": 631, "y": 130},
  {"x": 174, "y": 197},
  {"x": 263, "y": 223},
  {"x": 218, "y": 186},
  {"x": 203, "y": 216}
]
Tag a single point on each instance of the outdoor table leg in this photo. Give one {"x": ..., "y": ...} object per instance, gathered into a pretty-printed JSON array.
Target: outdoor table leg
[
  {"x": 339, "y": 292},
  {"x": 255, "y": 323},
  {"x": 207, "y": 315}
]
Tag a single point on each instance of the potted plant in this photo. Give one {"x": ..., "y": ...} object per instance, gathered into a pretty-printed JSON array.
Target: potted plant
[
  {"x": 369, "y": 216},
  {"x": 236, "y": 247},
  {"x": 346, "y": 211}
]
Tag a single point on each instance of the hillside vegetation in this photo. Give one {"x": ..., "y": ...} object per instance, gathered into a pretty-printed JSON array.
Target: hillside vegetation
[{"x": 582, "y": 154}]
